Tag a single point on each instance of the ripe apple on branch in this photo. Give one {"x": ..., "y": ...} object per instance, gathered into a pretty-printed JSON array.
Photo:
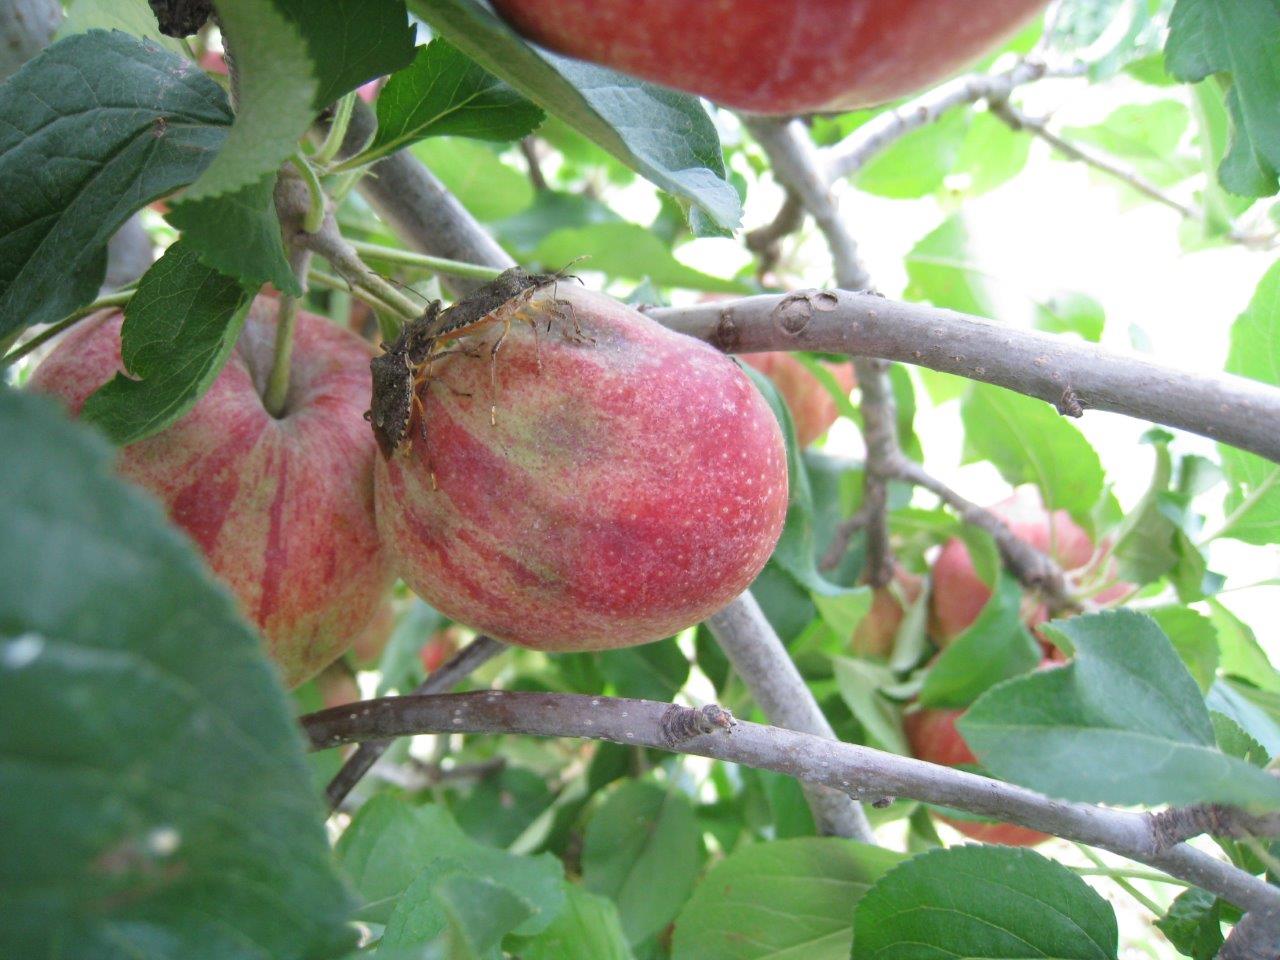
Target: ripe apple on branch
[{"x": 603, "y": 489}]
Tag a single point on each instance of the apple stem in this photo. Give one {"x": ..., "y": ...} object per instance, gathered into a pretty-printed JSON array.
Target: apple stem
[
  {"x": 278, "y": 380},
  {"x": 337, "y": 130},
  {"x": 313, "y": 219}
]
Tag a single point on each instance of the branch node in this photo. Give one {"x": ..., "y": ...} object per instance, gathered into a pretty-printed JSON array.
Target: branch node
[
  {"x": 684, "y": 723},
  {"x": 794, "y": 311},
  {"x": 1070, "y": 404},
  {"x": 727, "y": 333}
]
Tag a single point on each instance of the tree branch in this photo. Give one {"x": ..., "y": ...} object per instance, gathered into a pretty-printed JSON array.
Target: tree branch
[
  {"x": 451, "y": 673},
  {"x": 422, "y": 212},
  {"x": 862, "y": 772},
  {"x": 1234, "y": 410},
  {"x": 1034, "y": 569},
  {"x": 1017, "y": 120},
  {"x": 796, "y": 164},
  {"x": 885, "y": 129},
  {"x": 762, "y": 661},
  {"x": 765, "y": 241}
]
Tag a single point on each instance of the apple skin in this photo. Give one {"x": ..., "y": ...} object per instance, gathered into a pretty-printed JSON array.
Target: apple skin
[
  {"x": 933, "y": 737},
  {"x": 367, "y": 648},
  {"x": 442, "y": 645},
  {"x": 812, "y": 408},
  {"x": 633, "y": 483},
  {"x": 337, "y": 686},
  {"x": 958, "y": 592},
  {"x": 282, "y": 509},
  {"x": 874, "y": 636},
  {"x": 805, "y": 56}
]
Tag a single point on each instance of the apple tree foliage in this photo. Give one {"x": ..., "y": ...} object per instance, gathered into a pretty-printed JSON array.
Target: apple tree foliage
[{"x": 155, "y": 798}]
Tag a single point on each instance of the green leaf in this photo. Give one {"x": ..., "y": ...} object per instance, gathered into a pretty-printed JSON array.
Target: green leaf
[
  {"x": 390, "y": 847},
  {"x": 477, "y": 177},
  {"x": 1256, "y": 712},
  {"x": 795, "y": 550},
  {"x": 1234, "y": 740},
  {"x": 789, "y": 898},
  {"x": 501, "y": 807},
  {"x": 942, "y": 270},
  {"x": 238, "y": 234},
  {"x": 654, "y": 671},
  {"x": 1238, "y": 38},
  {"x": 1069, "y": 312},
  {"x": 664, "y": 136},
  {"x": 991, "y": 154},
  {"x": 859, "y": 683},
  {"x": 550, "y": 210},
  {"x": 939, "y": 271},
  {"x": 1145, "y": 541},
  {"x": 1194, "y": 638},
  {"x": 434, "y": 905},
  {"x": 916, "y": 165},
  {"x": 1124, "y": 722},
  {"x": 587, "y": 929},
  {"x": 643, "y": 850},
  {"x": 1242, "y": 655},
  {"x": 994, "y": 647},
  {"x": 445, "y": 93},
  {"x": 627, "y": 251},
  {"x": 128, "y": 16},
  {"x": 349, "y": 42},
  {"x": 275, "y": 108},
  {"x": 1193, "y": 924},
  {"x": 401, "y": 667},
  {"x": 1029, "y": 442},
  {"x": 479, "y": 913},
  {"x": 1253, "y": 484},
  {"x": 1147, "y": 136},
  {"x": 179, "y": 329},
  {"x": 156, "y": 799},
  {"x": 843, "y": 612},
  {"x": 983, "y": 902},
  {"x": 149, "y": 122}
]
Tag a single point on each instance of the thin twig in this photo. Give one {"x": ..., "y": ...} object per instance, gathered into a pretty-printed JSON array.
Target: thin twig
[
  {"x": 862, "y": 772},
  {"x": 840, "y": 540},
  {"x": 453, "y": 268},
  {"x": 795, "y": 162},
  {"x": 1033, "y": 569},
  {"x": 1018, "y": 120},
  {"x": 885, "y": 129},
  {"x": 1233, "y": 410},
  {"x": 762, "y": 662},
  {"x": 1122, "y": 882},
  {"x": 292, "y": 205},
  {"x": 452, "y": 672},
  {"x": 529, "y": 148},
  {"x": 416, "y": 205},
  {"x": 765, "y": 241},
  {"x": 118, "y": 299}
]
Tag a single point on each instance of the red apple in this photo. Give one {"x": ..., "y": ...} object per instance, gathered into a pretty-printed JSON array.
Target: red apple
[
  {"x": 282, "y": 508},
  {"x": 959, "y": 593},
  {"x": 631, "y": 482},
  {"x": 442, "y": 645},
  {"x": 812, "y": 408},
  {"x": 932, "y": 736},
  {"x": 337, "y": 686},
  {"x": 803, "y": 56},
  {"x": 874, "y": 636},
  {"x": 368, "y": 646}
]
